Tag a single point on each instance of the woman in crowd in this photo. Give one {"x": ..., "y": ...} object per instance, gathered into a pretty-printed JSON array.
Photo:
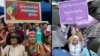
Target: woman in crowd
[
  {"x": 27, "y": 27},
  {"x": 34, "y": 49},
  {"x": 3, "y": 34},
  {"x": 47, "y": 45},
  {"x": 75, "y": 43},
  {"x": 39, "y": 32},
  {"x": 45, "y": 25},
  {"x": 14, "y": 48}
]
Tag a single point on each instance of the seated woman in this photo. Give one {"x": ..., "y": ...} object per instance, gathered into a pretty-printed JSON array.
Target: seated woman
[
  {"x": 75, "y": 43},
  {"x": 14, "y": 48}
]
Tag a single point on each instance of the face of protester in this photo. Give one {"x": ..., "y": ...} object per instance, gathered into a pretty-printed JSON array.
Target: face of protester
[
  {"x": 45, "y": 26},
  {"x": 1, "y": 26},
  {"x": 75, "y": 41},
  {"x": 32, "y": 39},
  {"x": 14, "y": 41},
  {"x": 11, "y": 28}
]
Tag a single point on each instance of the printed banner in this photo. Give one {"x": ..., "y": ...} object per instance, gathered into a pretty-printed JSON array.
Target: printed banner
[
  {"x": 73, "y": 11},
  {"x": 19, "y": 11}
]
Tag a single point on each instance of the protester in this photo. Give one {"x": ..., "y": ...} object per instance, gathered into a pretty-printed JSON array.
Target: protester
[
  {"x": 59, "y": 39},
  {"x": 14, "y": 46},
  {"x": 45, "y": 25},
  {"x": 26, "y": 28},
  {"x": 12, "y": 29},
  {"x": 39, "y": 34},
  {"x": 34, "y": 48},
  {"x": 75, "y": 42}
]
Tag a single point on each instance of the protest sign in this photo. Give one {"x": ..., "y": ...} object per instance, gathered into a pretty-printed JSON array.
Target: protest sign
[
  {"x": 21, "y": 11},
  {"x": 73, "y": 11}
]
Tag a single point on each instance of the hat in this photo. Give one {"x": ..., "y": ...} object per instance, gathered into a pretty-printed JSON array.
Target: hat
[
  {"x": 14, "y": 35},
  {"x": 31, "y": 32},
  {"x": 10, "y": 24}
]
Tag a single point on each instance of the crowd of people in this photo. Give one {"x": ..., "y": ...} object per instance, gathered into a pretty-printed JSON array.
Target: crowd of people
[
  {"x": 25, "y": 39},
  {"x": 69, "y": 40}
]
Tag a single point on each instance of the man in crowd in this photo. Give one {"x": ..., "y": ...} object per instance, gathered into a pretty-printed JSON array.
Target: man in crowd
[{"x": 59, "y": 39}]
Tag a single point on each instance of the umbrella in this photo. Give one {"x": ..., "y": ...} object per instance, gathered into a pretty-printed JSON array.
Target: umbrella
[
  {"x": 46, "y": 11},
  {"x": 45, "y": 7},
  {"x": 88, "y": 23}
]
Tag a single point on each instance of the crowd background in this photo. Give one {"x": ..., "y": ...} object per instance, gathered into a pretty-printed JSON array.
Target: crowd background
[{"x": 25, "y": 39}]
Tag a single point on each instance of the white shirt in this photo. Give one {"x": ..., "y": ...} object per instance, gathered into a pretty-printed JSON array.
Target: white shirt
[
  {"x": 14, "y": 51},
  {"x": 75, "y": 50}
]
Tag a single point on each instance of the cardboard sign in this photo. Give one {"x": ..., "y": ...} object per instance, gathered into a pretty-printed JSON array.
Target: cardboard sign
[
  {"x": 19, "y": 11},
  {"x": 73, "y": 11}
]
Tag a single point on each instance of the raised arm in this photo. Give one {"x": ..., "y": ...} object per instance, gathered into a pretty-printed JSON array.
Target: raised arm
[
  {"x": 78, "y": 33},
  {"x": 3, "y": 37},
  {"x": 70, "y": 38}
]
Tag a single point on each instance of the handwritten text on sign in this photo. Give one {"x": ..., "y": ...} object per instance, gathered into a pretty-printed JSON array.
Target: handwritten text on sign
[
  {"x": 19, "y": 11},
  {"x": 73, "y": 11}
]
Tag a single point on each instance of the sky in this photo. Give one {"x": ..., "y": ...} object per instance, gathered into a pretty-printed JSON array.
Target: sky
[{"x": 2, "y": 2}]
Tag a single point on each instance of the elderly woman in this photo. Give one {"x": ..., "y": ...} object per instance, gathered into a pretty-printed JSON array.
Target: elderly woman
[
  {"x": 14, "y": 48},
  {"x": 75, "y": 43}
]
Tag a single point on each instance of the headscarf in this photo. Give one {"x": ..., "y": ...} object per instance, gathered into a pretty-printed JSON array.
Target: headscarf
[{"x": 75, "y": 48}]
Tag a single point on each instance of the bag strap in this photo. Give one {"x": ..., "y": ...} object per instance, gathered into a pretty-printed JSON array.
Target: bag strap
[
  {"x": 8, "y": 51},
  {"x": 89, "y": 52}
]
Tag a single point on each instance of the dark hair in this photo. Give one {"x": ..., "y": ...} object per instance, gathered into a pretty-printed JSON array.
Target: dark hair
[
  {"x": 45, "y": 39},
  {"x": 13, "y": 35},
  {"x": 44, "y": 23},
  {"x": 3, "y": 23}
]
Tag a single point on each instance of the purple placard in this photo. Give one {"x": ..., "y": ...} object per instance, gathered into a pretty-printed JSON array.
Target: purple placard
[{"x": 73, "y": 11}]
